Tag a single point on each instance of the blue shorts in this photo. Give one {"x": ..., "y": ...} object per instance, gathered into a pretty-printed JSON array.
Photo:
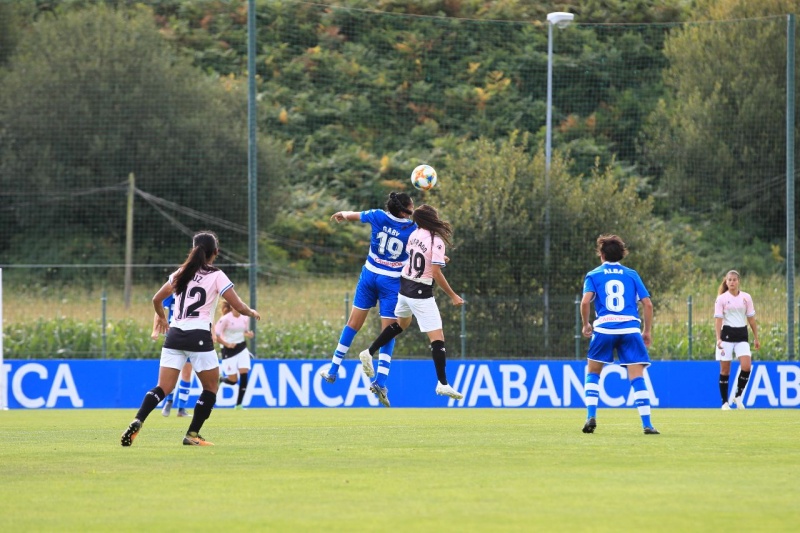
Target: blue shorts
[
  {"x": 629, "y": 346},
  {"x": 373, "y": 288}
]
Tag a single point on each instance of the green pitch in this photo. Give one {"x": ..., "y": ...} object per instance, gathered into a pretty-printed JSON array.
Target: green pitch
[{"x": 402, "y": 470}]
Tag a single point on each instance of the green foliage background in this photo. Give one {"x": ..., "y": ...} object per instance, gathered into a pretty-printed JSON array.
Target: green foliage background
[{"x": 662, "y": 114}]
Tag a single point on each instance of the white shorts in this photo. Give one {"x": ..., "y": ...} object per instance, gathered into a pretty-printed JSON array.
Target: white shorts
[
  {"x": 233, "y": 365},
  {"x": 425, "y": 311},
  {"x": 201, "y": 361},
  {"x": 729, "y": 349}
]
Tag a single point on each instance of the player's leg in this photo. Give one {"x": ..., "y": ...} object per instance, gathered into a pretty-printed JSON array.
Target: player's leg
[
  {"x": 167, "y": 409},
  {"x": 601, "y": 353},
  {"x": 206, "y": 366},
  {"x": 429, "y": 320},
  {"x": 364, "y": 299},
  {"x": 182, "y": 392},
  {"x": 591, "y": 394},
  {"x": 724, "y": 355},
  {"x": 439, "y": 355},
  {"x": 378, "y": 387},
  {"x": 168, "y": 372},
  {"x": 228, "y": 372},
  {"x": 403, "y": 313},
  {"x": 745, "y": 367},
  {"x": 243, "y": 362},
  {"x": 633, "y": 355},
  {"x": 386, "y": 336},
  {"x": 349, "y": 332},
  {"x": 641, "y": 396},
  {"x": 388, "y": 292}
]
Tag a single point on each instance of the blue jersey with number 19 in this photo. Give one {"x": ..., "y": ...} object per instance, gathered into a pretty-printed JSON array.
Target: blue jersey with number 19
[
  {"x": 387, "y": 251},
  {"x": 617, "y": 290}
]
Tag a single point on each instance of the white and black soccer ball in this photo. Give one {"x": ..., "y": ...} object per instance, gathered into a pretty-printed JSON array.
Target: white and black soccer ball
[{"x": 424, "y": 178}]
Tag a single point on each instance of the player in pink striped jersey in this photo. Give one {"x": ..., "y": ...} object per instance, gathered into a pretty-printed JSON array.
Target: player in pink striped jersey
[
  {"x": 197, "y": 284},
  {"x": 733, "y": 311},
  {"x": 233, "y": 330},
  {"x": 426, "y": 258}
]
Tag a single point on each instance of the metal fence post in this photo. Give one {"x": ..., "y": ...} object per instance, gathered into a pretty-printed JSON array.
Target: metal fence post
[
  {"x": 689, "y": 304},
  {"x": 464, "y": 327},
  {"x": 104, "y": 300},
  {"x": 346, "y": 307},
  {"x": 577, "y": 328}
]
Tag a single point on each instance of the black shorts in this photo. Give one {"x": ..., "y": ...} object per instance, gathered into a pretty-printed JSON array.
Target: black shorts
[
  {"x": 227, "y": 353},
  {"x": 415, "y": 289},
  {"x": 193, "y": 340},
  {"x": 730, "y": 334}
]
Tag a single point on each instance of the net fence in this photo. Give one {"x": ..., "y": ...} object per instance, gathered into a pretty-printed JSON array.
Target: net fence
[{"x": 671, "y": 135}]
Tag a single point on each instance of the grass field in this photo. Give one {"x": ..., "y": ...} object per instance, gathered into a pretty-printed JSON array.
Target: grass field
[{"x": 402, "y": 470}]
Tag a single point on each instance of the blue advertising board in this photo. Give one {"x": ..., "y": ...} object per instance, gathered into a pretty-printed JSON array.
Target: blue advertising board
[{"x": 63, "y": 384}]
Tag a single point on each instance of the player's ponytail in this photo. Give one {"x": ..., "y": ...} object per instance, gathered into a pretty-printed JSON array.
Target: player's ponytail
[
  {"x": 398, "y": 204},
  {"x": 205, "y": 247},
  {"x": 427, "y": 218}
]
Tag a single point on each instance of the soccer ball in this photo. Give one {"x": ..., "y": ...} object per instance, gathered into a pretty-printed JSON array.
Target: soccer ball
[{"x": 423, "y": 177}]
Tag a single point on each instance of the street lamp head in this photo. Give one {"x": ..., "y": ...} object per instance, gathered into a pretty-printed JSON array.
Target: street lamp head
[{"x": 560, "y": 19}]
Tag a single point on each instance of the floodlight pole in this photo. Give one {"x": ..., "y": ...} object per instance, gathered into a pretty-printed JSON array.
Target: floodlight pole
[
  {"x": 252, "y": 166},
  {"x": 561, "y": 20},
  {"x": 790, "y": 194}
]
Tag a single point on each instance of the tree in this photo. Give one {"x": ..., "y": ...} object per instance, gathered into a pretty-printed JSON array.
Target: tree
[
  {"x": 494, "y": 193},
  {"x": 94, "y": 95},
  {"x": 717, "y": 142}
]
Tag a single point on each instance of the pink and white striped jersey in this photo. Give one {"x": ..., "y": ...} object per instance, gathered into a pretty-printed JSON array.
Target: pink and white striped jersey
[
  {"x": 423, "y": 252},
  {"x": 194, "y": 308},
  {"x": 734, "y": 310},
  {"x": 232, "y": 328}
]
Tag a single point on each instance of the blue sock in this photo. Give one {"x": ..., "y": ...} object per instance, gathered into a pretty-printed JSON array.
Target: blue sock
[
  {"x": 384, "y": 362},
  {"x": 182, "y": 394},
  {"x": 591, "y": 394},
  {"x": 642, "y": 400},
  {"x": 345, "y": 340}
]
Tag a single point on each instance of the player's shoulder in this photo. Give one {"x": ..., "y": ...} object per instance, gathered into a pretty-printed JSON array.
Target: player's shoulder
[
  {"x": 746, "y": 296},
  {"x": 417, "y": 233},
  {"x": 596, "y": 270}
]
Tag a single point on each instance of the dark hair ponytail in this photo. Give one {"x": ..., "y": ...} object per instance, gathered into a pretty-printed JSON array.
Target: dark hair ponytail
[
  {"x": 204, "y": 246},
  {"x": 427, "y": 218},
  {"x": 398, "y": 203}
]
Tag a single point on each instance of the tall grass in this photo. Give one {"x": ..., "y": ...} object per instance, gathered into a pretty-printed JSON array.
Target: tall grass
[
  {"x": 303, "y": 318},
  {"x": 300, "y": 318}
]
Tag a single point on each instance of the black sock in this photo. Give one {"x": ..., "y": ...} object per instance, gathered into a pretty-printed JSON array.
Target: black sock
[
  {"x": 742, "y": 383},
  {"x": 723, "y": 387},
  {"x": 242, "y": 388},
  {"x": 389, "y": 332},
  {"x": 150, "y": 401},
  {"x": 439, "y": 360},
  {"x": 202, "y": 410}
]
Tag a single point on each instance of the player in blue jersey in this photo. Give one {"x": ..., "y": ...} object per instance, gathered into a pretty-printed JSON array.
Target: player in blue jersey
[
  {"x": 616, "y": 291},
  {"x": 379, "y": 281},
  {"x": 181, "y": 394}
]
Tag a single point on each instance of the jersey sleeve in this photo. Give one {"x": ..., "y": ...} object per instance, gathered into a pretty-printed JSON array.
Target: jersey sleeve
[
  {"x": 750, "y": 309},
  {"x": 719, "y": 311},
  {"x": 222, "y": 282},
  {"x": 438, "y": 252},
  {"x": 641, "y": 290},
  {"x": 588, "y": 285},
  {"x": 368, "y": 217},
  {"x": 219, "y": 328}
]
